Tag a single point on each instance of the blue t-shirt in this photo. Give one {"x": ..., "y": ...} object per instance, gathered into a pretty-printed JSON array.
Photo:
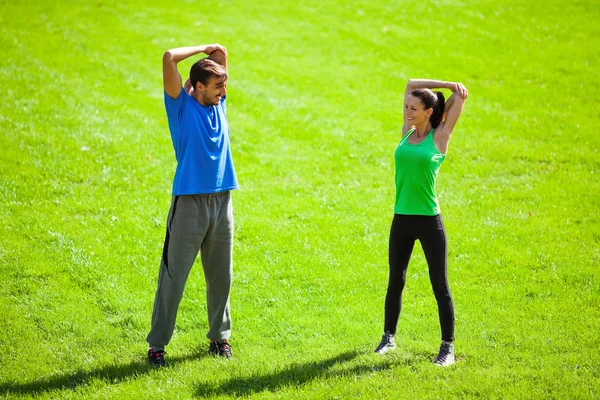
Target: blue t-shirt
[{"x": 200, "y": 137}]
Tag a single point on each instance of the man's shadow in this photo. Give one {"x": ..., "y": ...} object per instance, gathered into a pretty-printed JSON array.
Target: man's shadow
[
  {"x": 112, "y": 374},
  {"x": 295, "y": 374}
]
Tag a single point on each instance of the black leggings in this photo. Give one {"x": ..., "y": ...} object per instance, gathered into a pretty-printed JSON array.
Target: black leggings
[{"x": 432, "y": 235}]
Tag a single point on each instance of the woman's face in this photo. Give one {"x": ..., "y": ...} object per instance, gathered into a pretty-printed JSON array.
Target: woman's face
[{"x": 415, "y": 112}]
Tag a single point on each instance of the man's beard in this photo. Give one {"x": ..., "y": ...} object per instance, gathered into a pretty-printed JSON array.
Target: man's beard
[{"x": 213, "y": 100}]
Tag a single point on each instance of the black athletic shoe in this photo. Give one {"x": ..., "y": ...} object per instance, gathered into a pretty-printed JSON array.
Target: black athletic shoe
[
  {"x": 446, "y": 354},
  {"x": 221, "y": 349},
  {"x": 388, "y": 342},
  {"x": 156, "y": 357}
]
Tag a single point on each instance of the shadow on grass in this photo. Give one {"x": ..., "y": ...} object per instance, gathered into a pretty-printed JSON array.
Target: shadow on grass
[
  {"x": 110, "y": 374},
  {"x": 295, "y": 375}
]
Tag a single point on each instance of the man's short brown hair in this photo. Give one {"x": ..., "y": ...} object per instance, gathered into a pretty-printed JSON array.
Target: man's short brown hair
[{"x": 204, "y": 69}]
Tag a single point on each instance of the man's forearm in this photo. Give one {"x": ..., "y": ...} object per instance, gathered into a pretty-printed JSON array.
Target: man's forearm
[{"x": 181, "y": 53}]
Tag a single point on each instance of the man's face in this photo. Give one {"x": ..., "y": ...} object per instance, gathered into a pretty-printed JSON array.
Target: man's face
[{"x": 211, "y": 93}]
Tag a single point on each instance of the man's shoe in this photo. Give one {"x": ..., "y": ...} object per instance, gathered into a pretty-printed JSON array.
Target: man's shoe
[
  {"x": 156, "y": 358},
  {"x": 388, "y": 342},
  {"x": 221, "y": 349},
  {"x": 446, "y": 355}
]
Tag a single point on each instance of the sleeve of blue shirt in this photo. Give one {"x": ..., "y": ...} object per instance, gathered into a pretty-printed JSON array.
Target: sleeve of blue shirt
[{"x": 174, "y": 108}]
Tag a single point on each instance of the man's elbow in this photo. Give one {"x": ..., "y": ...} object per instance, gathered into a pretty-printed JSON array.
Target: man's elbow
[
  {"x": 219, "y": 57},
  {"x": 167, "y": 57}
]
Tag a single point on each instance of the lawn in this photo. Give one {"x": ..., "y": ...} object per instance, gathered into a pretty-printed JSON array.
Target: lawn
[{"x": 315, "y": 109}]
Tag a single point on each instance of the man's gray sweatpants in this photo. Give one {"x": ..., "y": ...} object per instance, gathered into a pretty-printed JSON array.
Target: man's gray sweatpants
[{"x": 195, "y": 223}]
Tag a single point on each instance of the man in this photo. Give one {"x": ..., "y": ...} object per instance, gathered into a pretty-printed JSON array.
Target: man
[{"x": 201, "y": 214}]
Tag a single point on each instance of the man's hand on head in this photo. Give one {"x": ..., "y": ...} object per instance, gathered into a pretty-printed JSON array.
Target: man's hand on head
[
  {"x": 211, "y": 48},
  {"x": 218, "y": 54}
]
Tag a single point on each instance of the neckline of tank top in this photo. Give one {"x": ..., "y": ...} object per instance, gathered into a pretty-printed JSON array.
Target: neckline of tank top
[{"x": 410, "y": 132}]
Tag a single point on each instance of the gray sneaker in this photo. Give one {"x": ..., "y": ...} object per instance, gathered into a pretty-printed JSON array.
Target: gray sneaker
[
  {"x": 388, "y": 342},
  {"x": 446, "y": 354}
]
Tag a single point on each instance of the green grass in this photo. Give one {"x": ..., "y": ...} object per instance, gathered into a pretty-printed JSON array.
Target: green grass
[{"x": 314, "y": 104}]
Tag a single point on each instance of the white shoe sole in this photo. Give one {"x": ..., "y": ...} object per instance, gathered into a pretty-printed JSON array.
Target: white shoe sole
[
  {"x": 446, "y": 363},
  {"x": 383, "y": 351}
]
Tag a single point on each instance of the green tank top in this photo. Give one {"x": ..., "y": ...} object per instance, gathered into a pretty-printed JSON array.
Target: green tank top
[{"x": 417, "y": 166}]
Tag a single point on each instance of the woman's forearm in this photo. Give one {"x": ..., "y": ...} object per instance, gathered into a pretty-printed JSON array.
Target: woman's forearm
[
  {"x": 449, "y": 102},
  {"x": 429, "y": 84}
]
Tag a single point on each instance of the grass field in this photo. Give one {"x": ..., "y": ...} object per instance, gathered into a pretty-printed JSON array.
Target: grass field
[{"x": 314, "y": 105}]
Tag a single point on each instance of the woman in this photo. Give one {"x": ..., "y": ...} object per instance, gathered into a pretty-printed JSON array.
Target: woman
[{"x": 423, "y": 148}]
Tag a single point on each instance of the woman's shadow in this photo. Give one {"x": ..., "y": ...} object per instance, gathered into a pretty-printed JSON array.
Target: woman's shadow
[{"x": 295, "y": 375}]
